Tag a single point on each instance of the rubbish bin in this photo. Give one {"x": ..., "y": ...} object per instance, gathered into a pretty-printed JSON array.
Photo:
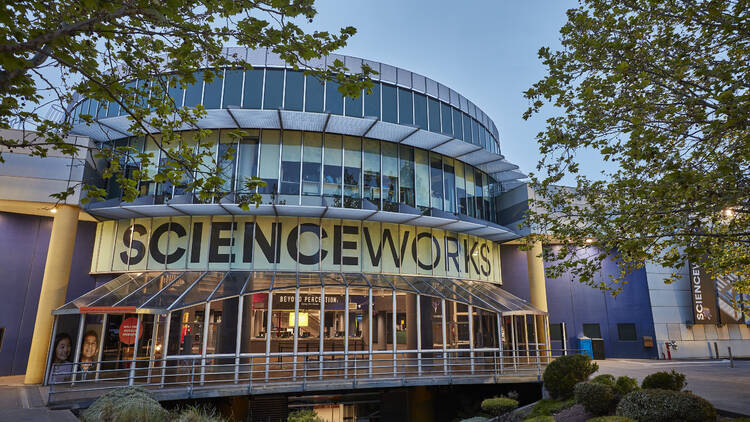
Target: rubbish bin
[
  {"x": 597, "y": 346},
  {"x": 585, "y": 346}
]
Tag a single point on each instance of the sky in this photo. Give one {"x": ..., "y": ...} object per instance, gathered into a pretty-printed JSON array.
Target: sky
[{"x": 486, "y": 50}]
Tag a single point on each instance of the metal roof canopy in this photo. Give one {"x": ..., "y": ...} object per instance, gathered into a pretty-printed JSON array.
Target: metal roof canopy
[{"x": 159, "y": 292}]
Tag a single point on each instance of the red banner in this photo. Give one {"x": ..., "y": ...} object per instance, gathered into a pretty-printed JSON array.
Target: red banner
[{"x": 128, "y": 329}]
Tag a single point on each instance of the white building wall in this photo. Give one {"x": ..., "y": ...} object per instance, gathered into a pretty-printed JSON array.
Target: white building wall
[{"x": 671, "y": 306}]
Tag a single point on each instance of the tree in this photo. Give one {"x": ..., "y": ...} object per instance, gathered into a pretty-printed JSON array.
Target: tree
[
  {"x": 661, "y": 89},
  {"x": 59, "y": 52}
]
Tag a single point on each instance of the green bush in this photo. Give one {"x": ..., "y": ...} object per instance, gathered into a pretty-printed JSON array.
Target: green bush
[
  {"x": 664, "y": 380},
  {"x": 652, "y": 405},
  {"x": 563, "y": 373},
  {"x": 605, "y": 379},
  {"x": 625, "y": 385},
  {"x": 305, "y": 415},
  {"x": 197, "y": 414},
  {"x": 548, "y": 407},
  {"x": 611, "y": 419},
  {"x": 127, "y": 404},
  {"x": 595, "y": 397},
  {"x": 541, "y": 419},
  {"x": 499, "y": 405}
]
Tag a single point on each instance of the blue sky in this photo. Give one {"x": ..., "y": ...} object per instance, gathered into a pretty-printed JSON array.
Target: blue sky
[{"x": 486, "y": 50}]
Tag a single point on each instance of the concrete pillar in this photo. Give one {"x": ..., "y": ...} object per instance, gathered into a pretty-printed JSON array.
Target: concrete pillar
[
  {"x": 411, "y": 321},
  {"x": 382, "y": 344},
  {"x": 537, "y": 287},
  {"x": 420, "y": 404},
  {"x": 54, "y": 287}
]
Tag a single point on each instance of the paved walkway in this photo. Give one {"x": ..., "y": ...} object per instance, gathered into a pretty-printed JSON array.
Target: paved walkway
[
  {"x": 726, "y": 388},
  {"x": 24, "y": 403}
]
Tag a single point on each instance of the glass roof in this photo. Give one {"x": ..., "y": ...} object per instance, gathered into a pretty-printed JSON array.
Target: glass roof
[{"x": 161, "y": 292}]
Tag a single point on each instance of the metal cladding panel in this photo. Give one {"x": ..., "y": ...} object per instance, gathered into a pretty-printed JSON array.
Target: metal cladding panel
[
  {"x": 472, "y": 109},
  {"x": 455, "y": 148},
  {"x": 389, "y": 131},
  {"x": 299, "y": 211},
  {"x": 428, "y": 221},
  {"x": 464, "y": 104},
  {"x": 375, "y": 66},
  {"x": 200, "y": 209},
  {"x": 354, "y": 64},
  {"x": 257, "y": 57},
  {"x": 480, "y": 157},
  {"x": 96, "y": 131},
  {"x": 235, "y": 53},
  {"x": 235, "y": 209},
  {"x": 115, "y": 213},
  {"x": 454, "y": 99},
  {"x": 118, "y": 124},
  {"x": 484, "y": 231},
  {"x": 257, "y": 119},
  {"x": 347, "y": 213},
  {"x": 387, "y": 73},
  {"x": 390, "y": 217},
  {"x": 274, "y": 60},
  {"x": 445, "y": 93},
  {"x": 508, "y": 175},
  {"x": 432, "y": 87},
  {"x": 216, "y": 119},
  {"x": 418, "y": 82},
  {"x": 425, "y": 140},
  {"x": 497, "y": 166},
  {"x": 460, "y": 226},
  {"x": 152, "y": 210},
  {"x": 333, "y": 57},
  {"x": 297, "y": 120},
  {"x": 404, "y": 78},
  {"x": 316, "y": 62},
  {"x": 347, "y": 125}
]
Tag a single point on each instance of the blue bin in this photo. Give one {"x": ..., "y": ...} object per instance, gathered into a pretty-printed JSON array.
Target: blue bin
[{"x": 586, "y": 346}]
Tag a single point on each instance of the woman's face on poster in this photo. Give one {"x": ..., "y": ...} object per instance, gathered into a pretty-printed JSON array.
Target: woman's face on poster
[
  {"x": 89, "y": 347},
  {"x": 62, "y": 351}
]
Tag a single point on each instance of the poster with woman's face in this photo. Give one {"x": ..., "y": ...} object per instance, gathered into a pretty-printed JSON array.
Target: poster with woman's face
[{"x": 62, "y": 349}]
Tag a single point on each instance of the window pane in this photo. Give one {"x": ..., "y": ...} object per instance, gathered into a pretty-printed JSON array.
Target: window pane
[
  {"x": 248, "y": 160},
  {"x": 314, "y": 95},
  {"x": 450, "y": 185},
  {"x": 460, "y": 187},
  {"x": 626, "y": 332},
  {"x": 420, "y": 111},
  {"x": 406, "y": 160},
  {"x": 592, "y": 331},
  {"x": 555, "y": 332},
  {"x": 390, "y": 176},
  {"x": 334, "y": 100},
  {"x": 332, "y": 168},
  {"x": 434, "y": 114},
  {"x": 422, "y": 174},
  {"x": 354, "y": 106},
  {"x": 269, "y": 160},
  {"x": 253, "y": 88},
  {"x": 291, "y": 149},
  {"x": 485, "y": 198},
  {"x": 436, "y": 181},
  {"x": 469, "y": 175},
  {"x": 474, "y": 131},
  {"x": 458, "y": 126},
  {"x": 274, "y": 89},
  {"x": 405, "y": 107},
  {"x": 467, "y": 128},
  {"x": 447, "y": 123},
  {"x": 294, "y": 86},
  {"x": 227, "y": 160},
  {"x": 371, "y": 169},
  {"x": 352, "y": 171},
  {"x": 372, "y": 102},
  {"x": 478, "y": 193},
  {"x": 212, "y": 91},
  {"x": 232, "y": 89},
  {"x": 312, "y": 156},
  {"x": 389, "y": 104},
  {"x": 194, "y": 91},
  {"x": 175, "y": 92}
]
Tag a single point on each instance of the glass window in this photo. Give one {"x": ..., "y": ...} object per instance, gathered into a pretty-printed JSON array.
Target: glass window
[
  {"x": 253, "y": 89},
  {"x": 405, "y": 107},
  {"x": 254, "y": 323},
  {"x": 247, "y": 157},
  {"x": 112, "y": 109},
  {"x": 372, "y": 102},
  {"x": 389, "y": 104},
  {"x": 332, "y": 168},
  {"x": 555, "y": 332},
  {"x": 485, "y": 198},
  {"x": 482, "y": 135},
  {"x": 434, "y": 114},
  {"x": 626, "y": 332},
  {"x": 295, "y": 84},
  {"x": 390, "y": 176},
  {"x": 194, "y": 91},
  {"x": 467, "y": 128},
  {"x": 226, "y": 160},
  {"x": 460, "y": 187},
  {"x": 592, "y": 331},
  {"x": 458, "y": 126},
  {"x": 269, "y": 160},
  {"x": 313, "y": 94},
  {"x": 406, "y": 181},
  {"x": 291, "y": 150},
  {"x": 450, "y": 185},
  {"x": 436, "y": 181},
  {"x": 212, "y": 91},
  {"x": 334, "y": 100},
  {"x": 232, "y": 89},
  {"x": 420, "y": 111},
  {"x": 371, "y": 169},
  {"x": 352, "y": 171},
  {"x": 446, "y": 117},
  {"x": 470, "y": 204},
  {"x": 174, "y": 91},
  {"x": 478, "y": 194},
  {"x": 312, "y": 156},
  {"x": 422, "y": 178},
  {"x": 474, "y": 131},
  {"x": 354, "y": 106},
  {"x": 274, "y": 91},
  {"x": 308, "y": 320}
]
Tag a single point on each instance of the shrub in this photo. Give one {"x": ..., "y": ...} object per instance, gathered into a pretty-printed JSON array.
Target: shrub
[
  {"x": 563, "y": 373},
  {"x": 547, "y": 407},
  {"x": 595, "y": 397},
  {"x": 605, "y": 379},
  {"x": 127, "y": 404},
  {"x": 664, "y": 380},
  {"x": 499, "y": 405},
  {"x": 305, "y": 415},
  {"x": 197, "y": 414},
  {"x": 654, "y": 405},
  {"x": 625, "y": 385},
  {"x": 611, "y": 419},
  {"x": 541, "y": 419}
]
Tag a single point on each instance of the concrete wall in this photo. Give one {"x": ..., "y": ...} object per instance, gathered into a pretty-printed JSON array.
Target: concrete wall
[
  {"x": 673, "y": 317},
  {"x": 576, "y": 304},
  {"x": 23, "y": 242}
]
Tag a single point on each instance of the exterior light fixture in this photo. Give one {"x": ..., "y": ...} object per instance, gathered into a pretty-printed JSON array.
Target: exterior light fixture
[
  {"x": 589, "y": 240},
  {"x": 53, "y": 210}
]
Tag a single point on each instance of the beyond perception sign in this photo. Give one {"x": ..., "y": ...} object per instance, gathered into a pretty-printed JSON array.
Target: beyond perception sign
[{"x": 289, "y": 244}]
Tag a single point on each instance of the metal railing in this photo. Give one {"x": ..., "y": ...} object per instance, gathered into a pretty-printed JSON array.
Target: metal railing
[{"x": 187, "y": 376}]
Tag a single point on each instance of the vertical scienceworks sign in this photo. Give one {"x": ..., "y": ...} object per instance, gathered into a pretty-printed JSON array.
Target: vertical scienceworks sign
[{"x": 704, "y": 296}]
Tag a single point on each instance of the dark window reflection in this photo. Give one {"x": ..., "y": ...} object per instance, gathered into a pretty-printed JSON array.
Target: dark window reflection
[
  {"x": 247, "y": 157},
  {"x": 390, "y": 176},
  {"x": 447, "y": 122},
  {"x": 372, "y": 102},
  {"x": 253, "y": 89},
  {"x": 232, "y": 89},
  {"x": 354, "y": 106},
  {"x": 274, "y": 91},
  {"x": 434, "y": 112},
  {"x": 314, "y": 95},
  {"x": 389, "y": 104},
  {"x": 405, "y": 107},
  {"x": 458, "y": 126},
  {"x": 436, "y": 180},
  {"x": 420, "y": 111},
  {"x": 406, "y": 160},
  {"x": 352, "y": 172},
  {"x": 295, "y": 83},
  {"x": 194, "y": 91},
  {"x": 450, "y": 185},
  {"x": 371, "y": 172},
  {"x": 212, "y": 91},
  {"x": 334, "y": 100}
]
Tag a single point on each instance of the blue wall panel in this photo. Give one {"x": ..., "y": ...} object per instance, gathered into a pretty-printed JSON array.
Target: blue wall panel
[
  {"x": 576, "y": 304},
  {"x": 23, "y": 242}
]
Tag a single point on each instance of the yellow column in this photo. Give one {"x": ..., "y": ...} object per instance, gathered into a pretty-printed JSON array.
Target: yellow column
[
  {"x": 537, "y": 287},
  {"x": 54, "y": 287}
]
